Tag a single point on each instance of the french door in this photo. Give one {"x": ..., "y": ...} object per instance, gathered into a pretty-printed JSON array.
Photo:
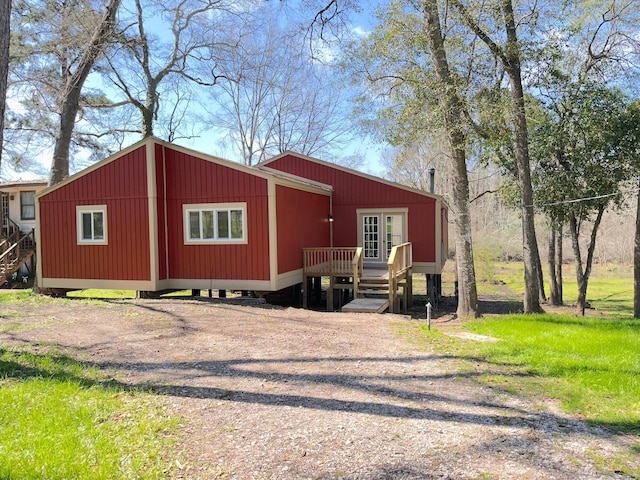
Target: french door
[{"x": 380, "y": 232}]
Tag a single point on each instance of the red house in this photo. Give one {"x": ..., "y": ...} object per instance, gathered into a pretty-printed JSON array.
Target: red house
[{"x": 157, "y": 216}]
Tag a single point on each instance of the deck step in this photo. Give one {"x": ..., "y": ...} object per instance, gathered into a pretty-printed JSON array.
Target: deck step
[
  {"x": 365, "y": 286},
  {"x": 366, "y": 305},
  {"x": 372, "y": 291}
]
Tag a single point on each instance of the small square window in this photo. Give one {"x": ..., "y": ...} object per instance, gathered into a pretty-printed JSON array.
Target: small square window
[{"x": 92, "y": 224}]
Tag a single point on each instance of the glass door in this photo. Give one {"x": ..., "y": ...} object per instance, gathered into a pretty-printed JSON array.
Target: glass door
[
  {"x": 371, "y": 237},
  {"x": 393, "y": 226}
]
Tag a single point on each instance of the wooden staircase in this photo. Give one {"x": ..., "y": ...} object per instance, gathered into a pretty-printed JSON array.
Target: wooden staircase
[{"x": 16, "y": 251}]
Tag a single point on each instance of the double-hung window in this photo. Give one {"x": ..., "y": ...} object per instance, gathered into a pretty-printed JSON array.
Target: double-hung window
[
  {"x": 215, "y": 223},
  {"x": 27, "y": 205},
  {"x": 92, "y": 224}
]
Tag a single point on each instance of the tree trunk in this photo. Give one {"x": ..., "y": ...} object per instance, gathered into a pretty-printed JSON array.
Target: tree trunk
[
  {"x": 5, "y": 36},
  {"x": 560, "y": 262},
  {"x": 555, "y": 264},
  {"x": 583, "y": 271},
  {"x": 521, "y": 147},
  {"x": 73, "y": 89},
  {"x": 454, "y": 123},
  {"x": 553, "y": 280},
  {"x": 636, "y": 264}
]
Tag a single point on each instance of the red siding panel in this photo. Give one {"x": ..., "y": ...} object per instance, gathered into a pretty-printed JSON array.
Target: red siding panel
[
  {"x": 351, "y": 192},
  {"x": 192, "y": 180},
  {"x": 121, "y": 185},
  {"x": 302, "y": 222}
]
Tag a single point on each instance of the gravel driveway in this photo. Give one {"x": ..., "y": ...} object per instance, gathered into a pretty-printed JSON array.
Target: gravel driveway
[{"x": 271, "y": 393}]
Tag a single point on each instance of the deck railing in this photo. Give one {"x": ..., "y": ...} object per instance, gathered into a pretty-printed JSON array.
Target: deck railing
[
  {"x": 399, "y": 264},
  {"x": 358, "y": 269},
  {"x": 328, "y": 261}
]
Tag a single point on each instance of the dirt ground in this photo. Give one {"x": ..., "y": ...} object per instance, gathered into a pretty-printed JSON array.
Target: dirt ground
[{"x": 284, "y": 393}]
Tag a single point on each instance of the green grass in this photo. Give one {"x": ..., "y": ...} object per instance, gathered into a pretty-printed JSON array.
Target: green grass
[
  {"x": 592, "y": 365},
  {"x": 100, "y": 293},
  {"x": 60, "y": 419}
]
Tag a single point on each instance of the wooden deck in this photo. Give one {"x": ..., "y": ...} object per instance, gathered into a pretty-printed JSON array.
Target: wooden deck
[{"x": 345, "y": 270}]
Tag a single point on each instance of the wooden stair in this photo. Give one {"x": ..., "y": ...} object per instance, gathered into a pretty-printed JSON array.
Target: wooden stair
[{"x": 15, "y": 255}]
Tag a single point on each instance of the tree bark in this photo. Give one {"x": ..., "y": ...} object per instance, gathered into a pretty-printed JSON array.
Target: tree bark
[
  {"x": 72, "y": 91},
  {"x": 553, "y": 280},
  {"x": 555, "y": 264},
  {"x": 521, "y": 148},
  {"x": 583, "y": 271},
  {"x": 454, "y": 122},
  {"x": 5, "y": 38},
  {"x": 636, "y": 264},
  {"x": 509, "y": 57}
]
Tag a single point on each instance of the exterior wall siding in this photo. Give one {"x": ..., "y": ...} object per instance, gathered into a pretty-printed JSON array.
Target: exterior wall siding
[
  {"x": 121, "y": 185},
  {"x": 303, "y": 221},
  {"x": 352, "y": 192},
  {"x": 192, "y": 180}
]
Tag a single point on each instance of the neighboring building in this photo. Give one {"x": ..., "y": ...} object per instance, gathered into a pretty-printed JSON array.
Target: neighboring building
[
  {"x": 17, "y": 200},
  {"x": 19, "y": 205},
  {"x": 157, "y": 216}
]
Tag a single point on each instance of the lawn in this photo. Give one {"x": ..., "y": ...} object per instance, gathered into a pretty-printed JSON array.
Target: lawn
[
  {"x": 60, "y": 419},
  {"x": 591, "y": 364}
]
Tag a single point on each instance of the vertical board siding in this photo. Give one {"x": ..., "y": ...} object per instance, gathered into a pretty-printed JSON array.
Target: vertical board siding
[
  {"x": 194, "y": 180},
  {"x": 351, "y": 191},
  {"x": 303, "y": 221},
  {"x": 121, "y": 185}
]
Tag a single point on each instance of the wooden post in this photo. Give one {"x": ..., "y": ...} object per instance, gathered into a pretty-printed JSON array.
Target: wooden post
[{"x": 330, "y": 294}]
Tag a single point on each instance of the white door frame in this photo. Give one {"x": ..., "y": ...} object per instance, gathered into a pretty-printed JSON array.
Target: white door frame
[{"x": 381, "y": 214}]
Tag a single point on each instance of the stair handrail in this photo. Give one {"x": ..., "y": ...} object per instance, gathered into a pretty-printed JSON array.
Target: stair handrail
[
  {"x": 12, "y": 227},
  {"x": 358, "y": 269},
  {"x": 400, "y": 261},
  {"x": 15, "y": 248}
]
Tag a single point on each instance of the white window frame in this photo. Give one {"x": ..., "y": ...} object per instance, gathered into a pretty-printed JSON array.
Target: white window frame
[
  {"x": 83, "y": 209},
  {"x": 187, "y": 209}
]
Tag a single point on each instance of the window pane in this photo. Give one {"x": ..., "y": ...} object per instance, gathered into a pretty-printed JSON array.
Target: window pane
[
  {"x": 27, "y": 205},
  {"x": 207, "y": 224},
  {"x": 223, "y": 224},
  {"x": 86, "y": 226},
  {"x": 194, "y": 225},
  {"x": 98, "y": 226},
  {"x": 236, "y": 223}
]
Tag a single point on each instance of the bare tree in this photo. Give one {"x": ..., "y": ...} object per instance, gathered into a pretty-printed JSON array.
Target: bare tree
[
  {"x": 272, "y": 96},
  {"x": 144, "y": 60}
]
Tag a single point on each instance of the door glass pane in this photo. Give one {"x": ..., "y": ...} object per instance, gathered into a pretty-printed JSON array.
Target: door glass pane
[
  {"x": 223, "y": 224},
  {"x": 207, "y": 224},
  {"x": 236, "y": 223},
  {"x": 194, "y": 225},
  {"x": 394, "y": 232},
  {"x": 98, "y": 226},
  {"x": 370, "y": 234}
]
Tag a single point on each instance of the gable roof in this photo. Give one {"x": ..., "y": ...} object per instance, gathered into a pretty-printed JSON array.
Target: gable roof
[
  {"x": 274, "y": 174},
  {"x": 265, "y": 166}
]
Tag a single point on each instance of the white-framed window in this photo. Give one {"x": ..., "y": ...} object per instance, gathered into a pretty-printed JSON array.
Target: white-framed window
[
  {"x": 92, "y": 224},
  {"x": 27, "y": 205},
  {"x": 215, "y": 223}
]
